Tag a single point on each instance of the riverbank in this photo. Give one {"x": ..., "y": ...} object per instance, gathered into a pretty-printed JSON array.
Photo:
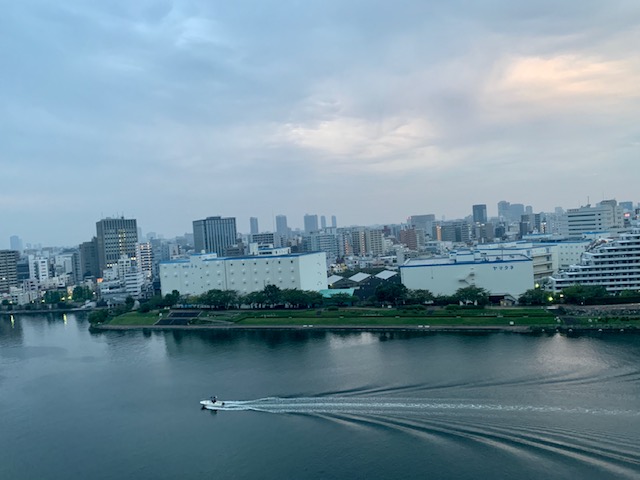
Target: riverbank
[
  {"x": 425, "y": 329},
  {"x": 447, "y": 320}
]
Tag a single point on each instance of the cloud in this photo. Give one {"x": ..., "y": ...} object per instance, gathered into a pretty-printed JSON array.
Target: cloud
[{"x": 295, "y": 106}]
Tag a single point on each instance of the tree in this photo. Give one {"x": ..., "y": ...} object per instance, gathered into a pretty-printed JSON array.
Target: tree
[
  {"x": 98, "y": 316},
  {"x": 391, "y": 293},
  {"x": 52, "y": 296},
  {"x": 584, "y": 294},
  {"x": 272, "y": 295},
  {"x": 129, "y": 302},
  {"x": 472, "y": 295},
  {"x": 420, "y": 297},
  {"x": 82, "y": 293},
  {"x": 535, "y": 296},
  {"x": 170, "y": 299}
]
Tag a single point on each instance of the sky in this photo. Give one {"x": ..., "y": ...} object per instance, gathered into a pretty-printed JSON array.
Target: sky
[{"x": 171, "y": 111}]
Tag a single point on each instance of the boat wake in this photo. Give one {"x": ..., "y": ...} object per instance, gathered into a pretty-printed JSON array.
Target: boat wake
[{"x": 337, "y": 405}]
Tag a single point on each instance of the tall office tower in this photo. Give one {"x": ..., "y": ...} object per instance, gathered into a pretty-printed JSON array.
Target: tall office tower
[
  {"x": 115, "y": 237},
  {"x": 503, "y": 210},
  {"x": 423, "y": 222},
  {"x": 8, "y": 270},
  {"x": 15, "y": 242},
  {"x": 516, "y": 210},
  {"x": 528, "y": 210},
  {"x": 281, "y": 226},
  {"x": 214, "y": 234},
  {"x": 310, "y": 223},
  {"x": 334, "y": 221},
  {"x": 323, "y": 222},
  {"x": 480, "y": 213},
  {"x": 89, "y": 264},
  {"x": 253, "y": 226}
]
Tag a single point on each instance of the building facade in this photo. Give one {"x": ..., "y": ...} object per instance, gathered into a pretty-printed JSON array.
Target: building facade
[
  {"x": 8, "y": 270},
  {"x": 115, "y": 237},
  {"x": 605, "y": 216},
  {"x": 508, "y": 274},
  {"x": 214, "y": 234},
  {"x": 201, "y": 273},
  {"x": 610, "y": 263},
  {"x": 479, "y": 213}
]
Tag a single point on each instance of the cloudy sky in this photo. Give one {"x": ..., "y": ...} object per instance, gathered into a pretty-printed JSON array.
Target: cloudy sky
[{"x": 169, "y": 111}]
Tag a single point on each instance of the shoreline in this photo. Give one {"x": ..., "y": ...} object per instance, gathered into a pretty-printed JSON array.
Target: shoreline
[{"x": 522, "y": 330}]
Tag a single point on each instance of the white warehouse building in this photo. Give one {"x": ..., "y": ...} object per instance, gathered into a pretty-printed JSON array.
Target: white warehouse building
[
  {"x": 200, "y": 273},
  {"x": 499, "y": 274}
]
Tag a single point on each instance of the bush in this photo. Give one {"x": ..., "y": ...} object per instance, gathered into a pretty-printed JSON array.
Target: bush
[
  {"x": 413, "y": 308},
  {"x": 98, "y": 316}
]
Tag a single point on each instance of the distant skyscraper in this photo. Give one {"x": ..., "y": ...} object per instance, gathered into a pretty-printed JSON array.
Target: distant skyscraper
[
  {"x": 334, "y": 221},
  {"x": 15, "y": 243},
  {"x": 480, "y": 213},
  {"x": 8, "y": 270},
  {"x": 253, "y": 224},
  {"x": 281, "y": 226},
  {"x": 214, "y": 234},
  {"x": 89, "y": 265},
  {"x": 115, "y": 237},
  {"x": 503, "y": 210},
  {"x": 310, "y": 223},
  {"x": 323, "y": 222},
  {"x": 423, "y": 222}
]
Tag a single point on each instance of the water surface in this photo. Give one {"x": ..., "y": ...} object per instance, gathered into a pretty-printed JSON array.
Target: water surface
[{"x": 314, "y": 405}]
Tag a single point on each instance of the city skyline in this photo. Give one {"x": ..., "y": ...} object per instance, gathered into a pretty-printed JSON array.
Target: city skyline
[
  {"x": 492, "y": 214},
  {"x": 174, "y": 111}
]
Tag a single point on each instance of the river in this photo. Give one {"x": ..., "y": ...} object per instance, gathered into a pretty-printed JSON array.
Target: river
[{"x": 315, "y": 405}]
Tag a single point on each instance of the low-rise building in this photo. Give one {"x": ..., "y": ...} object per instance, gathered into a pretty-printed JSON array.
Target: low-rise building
[
  {"x": 201, "y": 273},
  {"x": 499, "y": 274}
]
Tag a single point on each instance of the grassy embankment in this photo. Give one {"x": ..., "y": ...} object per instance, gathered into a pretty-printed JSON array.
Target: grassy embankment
[
  {"x": 361, "y": 317},
  {"x": 390, "y": 317},
  {"x": 136, "y": 318}
]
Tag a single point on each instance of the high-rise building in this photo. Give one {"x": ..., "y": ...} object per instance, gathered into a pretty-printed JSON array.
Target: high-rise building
[
  {"x": 281, "y": 226},
  {"x": 89, "y": 265},
  {"x": 8, "y": 270},
  {"x": 214, "y": 234},
  {"x": 310, "y": 223},
  {"x": 334, "y": 221},
  {"x": 115, "y": 237},
  {"x": 503, "y": 210},
  {"x": 480, "y": 213},
  {"x": 15, "y": 242},
  {"x": 323, "y": 222},
  {"x": 145, "y": 259},
  {"x": 253, "y": 226}
]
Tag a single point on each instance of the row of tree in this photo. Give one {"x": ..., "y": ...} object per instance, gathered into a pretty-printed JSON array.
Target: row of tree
[
  {"x": 274, "y": 297},
  {"x": 577, "y": 295}
]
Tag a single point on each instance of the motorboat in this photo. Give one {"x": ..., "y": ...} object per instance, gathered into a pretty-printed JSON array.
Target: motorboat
[{"x": 211, "y": 404}]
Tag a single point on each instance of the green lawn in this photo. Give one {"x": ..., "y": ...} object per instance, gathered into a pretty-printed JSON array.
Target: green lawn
[
  {"x": 363, "y": 317},
  {"x": 136, "y": 318}
]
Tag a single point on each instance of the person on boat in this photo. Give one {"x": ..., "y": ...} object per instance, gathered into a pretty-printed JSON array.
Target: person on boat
[{"x": 214, "y": 399}]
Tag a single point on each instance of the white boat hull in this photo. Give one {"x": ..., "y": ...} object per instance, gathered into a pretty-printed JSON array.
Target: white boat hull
[{"x": 208, "y": 404}]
